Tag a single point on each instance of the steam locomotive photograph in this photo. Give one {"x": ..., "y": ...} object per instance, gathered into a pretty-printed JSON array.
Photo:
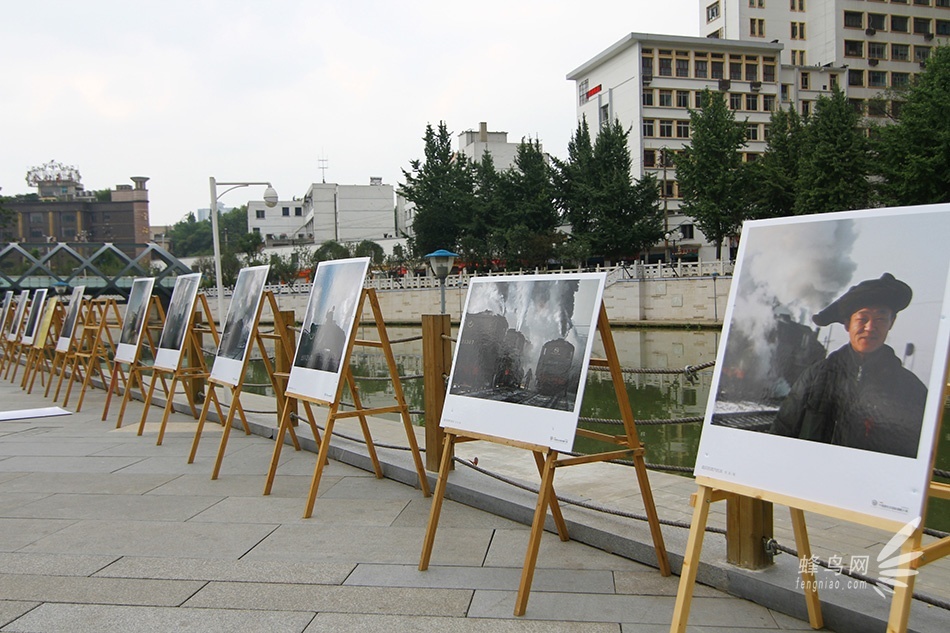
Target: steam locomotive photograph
[{"x": 521, "y": 343}]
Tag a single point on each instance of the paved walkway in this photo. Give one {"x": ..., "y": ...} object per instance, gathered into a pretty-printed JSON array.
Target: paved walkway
[{"x": 101, "y": 530}]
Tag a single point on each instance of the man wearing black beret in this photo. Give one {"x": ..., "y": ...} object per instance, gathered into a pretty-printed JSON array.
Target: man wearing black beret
[{"x": 860, "y": 396}]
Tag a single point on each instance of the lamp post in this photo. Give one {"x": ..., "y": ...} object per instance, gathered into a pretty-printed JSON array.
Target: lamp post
[
  {"x": 441, "y": 262},
  {"x": 270, "y": 199},
  {"x": 673, "y": 236}
]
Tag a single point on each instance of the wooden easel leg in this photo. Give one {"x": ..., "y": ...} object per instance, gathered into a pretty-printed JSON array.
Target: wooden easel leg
[
  {"x": 804, "y": 559},
  {"x": 653, "y": 519},
  {"x": 364, "y": 426},
  {"x": 62, "y": 373},
  {"x": 322, "y": 456},
  {"x": 169, "y": 405},
  {"x": 202, "y": 417},
  {"x": 278, "y": 444},
  {"x": 537, "y": 529},
  {"x": 900, "y": 603},
  {"x": 444, "y": 467},
  {"x": 236, "y": 402},
  {"x": 127, "y": 394},
  {"x": 148, "y": 401},
  {"x": 226, "y": 433},
  {"x": 553, "y": 502},
  {"x": 110, "y": 389},
  {"x": 694, "y": 547}
]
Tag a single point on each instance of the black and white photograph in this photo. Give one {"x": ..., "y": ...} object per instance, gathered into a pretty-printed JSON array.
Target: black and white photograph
[
  {"x": 239, "y": 325},
  {"x": 177, "y": 318},
  {"x": 35, "y": 314},
  {"x": 327, "y": 327},
  {"x": 136, "y": 316},
  {"x": 72, "y": 317},
  {"x": 5, "y": 310},
  {"x": 522, "y": 356},
  {"x": 833, "y": 356},
  {"x": 23, "y": 299}
]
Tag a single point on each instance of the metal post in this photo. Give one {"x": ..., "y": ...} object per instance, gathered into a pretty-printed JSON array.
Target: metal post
[{"x": 216, "y": 242}]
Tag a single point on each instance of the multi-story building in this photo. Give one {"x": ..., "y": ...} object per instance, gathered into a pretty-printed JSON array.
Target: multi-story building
[
  {"x": 650, "y": 82},
  {"x": 474, "y": 144},
  {"x": 63, "y": 211},
  {"x": 876, "y": 44},
  {"x": 328, "y": 211}
]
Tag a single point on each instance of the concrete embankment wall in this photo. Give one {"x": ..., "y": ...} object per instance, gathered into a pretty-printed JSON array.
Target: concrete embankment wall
[{"x": 699, "y": 301}]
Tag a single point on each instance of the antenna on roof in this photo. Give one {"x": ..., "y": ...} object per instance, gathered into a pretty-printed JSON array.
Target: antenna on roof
[{"x": 322, "y": 162}]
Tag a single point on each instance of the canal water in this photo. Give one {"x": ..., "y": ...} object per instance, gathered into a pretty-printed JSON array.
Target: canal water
[{"x": 658, "y": 395}]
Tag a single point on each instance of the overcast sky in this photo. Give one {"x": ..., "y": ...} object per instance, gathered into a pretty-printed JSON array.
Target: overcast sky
[{"x": 180, "y": 90}]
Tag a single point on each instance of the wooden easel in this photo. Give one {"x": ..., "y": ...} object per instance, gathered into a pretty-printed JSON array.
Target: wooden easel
[
  {"x": 360, "y": 412},
  {"x": 154, "y": 321},
  {"x": 8, "y": 330},
  {"x": 15, "y": 345},
  {"x": 197, "y": 369},
  {"x": 284, "y": 342},
  {"x": 44, "y": 346},
  {"x": 95, "y": 347},
  {"x": 913, "y": 554},
  {"x": 547, "y": 461}
]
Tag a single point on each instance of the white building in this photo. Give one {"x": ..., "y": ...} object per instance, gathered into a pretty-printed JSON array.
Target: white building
[
  {"x": 474, "y": 144},
  {"x": 649, "y": 82},
  {"x": 281, "y": 223}
]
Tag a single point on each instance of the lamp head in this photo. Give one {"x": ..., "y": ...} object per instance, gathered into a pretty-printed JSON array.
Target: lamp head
[
  {"x": 441, "y": 262},
  {"x": 270, "y": 196}
]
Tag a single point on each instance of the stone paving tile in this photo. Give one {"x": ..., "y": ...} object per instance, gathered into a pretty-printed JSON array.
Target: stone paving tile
[
  {"x": 97, "y": 590},
  {"x": 52, "y": 564},
  {"x": 453, "y": 515},
  {"x": 454, "y": 577},
  {"x": 332, "y": 512},
  {"x": 77, "y": 618},
  {"x": 651, "y": 583},
  {"x": 19, "y": 533},
  {"x": 384, "y": 600},
  {"x": 295, "y": 486},
  {"x": 148, "y": 538},
  {"x": 361, "y": 623},
  {"x": 227, "y": 570},
  {"x": 11, "y": 609},
  {"x": 316, "y": 542},
  {"x": 508, "y": 548},
  {"x": 125, "y": 507},
  {"x": 366, "y": 488},
  {"x": 78, "y": 482},
  {"x": 10, "y": 501},
  {"x": 722, "y": 612},
  {"x": 55, "y": 464},
  {"x": 42, "y": 447}
]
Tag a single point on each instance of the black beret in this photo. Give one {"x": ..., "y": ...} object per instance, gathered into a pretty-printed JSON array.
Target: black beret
[{"x": 886, "y": 291}]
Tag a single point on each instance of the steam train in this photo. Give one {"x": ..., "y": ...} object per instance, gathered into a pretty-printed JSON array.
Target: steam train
[
  {"x": 554, "y": 367},
  {"x": 479, "y": 349}
]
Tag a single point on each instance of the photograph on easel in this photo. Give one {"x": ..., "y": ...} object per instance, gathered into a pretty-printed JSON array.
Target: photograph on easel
[
  {"x": 136, "y": 315},
  {"x": 72, "y": 317},
  {"x": 14, "y": 332},
  {"x": 5, "y": 310},
  {"x": 327, "y": 327},
  {"x": 523, "y": 352},
  {"x": 833, "y": 360},
  {"x": 33, "y": 318},
  {"x": 239, "y": 325},
  {"x": 180, "y": 310}
]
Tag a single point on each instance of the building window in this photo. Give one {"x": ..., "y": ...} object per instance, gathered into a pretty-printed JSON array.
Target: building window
[
  {"x": 943, "y": 27},
  {"x": 682, "y": 129},
  {"x": 768, "y": 103},
  {"x": 649, "y": 158},
  {"x": 648, "y": 129},
  {"x": 682, "y": 68},
  {"x": 796, "y": 5},
  {"x": 855, "y": 77},
  {"x": 285, "y": 212},
  {"x": 806, "y": 108},
  {"x": 36, "y": 233},
  {"x": 36, "y": 218},
  {"x": 259, "y": 213},
  {"x": 752, "y": 102},
  {"x": 582, "y": 92},
  {"x": 877, "y": 79},
  {"x": 751, "y": 72},
  {"x": 877, "y": 107},
  {"x": 786, "y": 91},
  {"x": 857, "y": 105},
  {"x": 735, "y": 101},
  {"x": 717, "y": 70},
  {"x": 899, "y": 23},
  {"x": 768, "y": 72},
  {"x": 298, "y": 211},
  {"x": 666, "y": 128},
  {"x": 666, "y": 67},
  {"x": 712, "y": 12},
  {"x": 833, "y": 81},
  {"x": 798, "y": 30},
  {"x": 941, "y": 3},
  {"x": 853, "y": 20},
  {"x": 666, "y": 98},
  {"x": 682, "y": 98},
  {"x": 853, "y": 48},
  {"x": 701, "y": 67},
  {"x": 648, "y": 97},
  {"x": 256, "y": 229},
  {"x": 765, "y": 132},
  {"x": 798, "y": 57},
  {"x": 604, "y": 115},
  {"x": 922, "y": 3},
  {"x": 646, "y": 66},
  {"x": 668, "y": 187},
  {"x": 68, "y": 218},
  {"x": 805, "y": 81},
  {"x": 698, "y": 100},
  {"x": 735, "y": 71},
  {"x": 921, "y": 53},
  {"x": 900, "y": 52},
  {"x": 900, "y": 80},
  {"x": 752, "y": 132},
  {"x": 877, "y": 21},
  {"x": 921, "y": 26},
  {"x": 877, "y": 50},
  {"x": 756, "y": 27}
]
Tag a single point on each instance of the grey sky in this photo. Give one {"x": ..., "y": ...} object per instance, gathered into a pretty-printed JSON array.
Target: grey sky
[{"x": 180, "y": 90}]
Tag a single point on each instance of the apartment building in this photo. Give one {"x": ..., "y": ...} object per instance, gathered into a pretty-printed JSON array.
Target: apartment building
[{"x": 650, "y": 82}]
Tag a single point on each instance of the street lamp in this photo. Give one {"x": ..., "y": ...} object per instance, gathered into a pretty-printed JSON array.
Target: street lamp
[
  {"x": 270, "y": 199},
  {"x": 673, "y": 236},
  {"x": 441, "y": 262}
]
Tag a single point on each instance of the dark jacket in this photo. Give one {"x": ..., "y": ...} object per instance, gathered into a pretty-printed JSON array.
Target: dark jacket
[{"x": 877, "y": 405}]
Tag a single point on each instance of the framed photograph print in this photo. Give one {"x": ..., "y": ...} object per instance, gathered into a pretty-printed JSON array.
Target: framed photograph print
[
  {"x": 522, "y": 356},
  {"x": 136, "y": 316},
  {"x": 239, "y": 325},
  {"x": 18, "y": 315},
  {"x": 72, "y": 317},
  {"x": 35, "y": 313},
  {"x": 177, "y": 319}
]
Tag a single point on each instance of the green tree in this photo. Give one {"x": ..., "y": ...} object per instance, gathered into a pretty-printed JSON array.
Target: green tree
[
  {"x": 776, "y": 172},
  {"x": 442, "y": 187},
  {"x": 834, "y": 161},
  {"x": 190, "y": 237},
  {"x": 368, "y": 248},
  {"x": 573, "y": 180},
  {"x": 711, "y": 174},
  {"x": 914, "y": 153},
  {"x": 481, "y": 242},
  {"x": 331, "y": 250}
]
